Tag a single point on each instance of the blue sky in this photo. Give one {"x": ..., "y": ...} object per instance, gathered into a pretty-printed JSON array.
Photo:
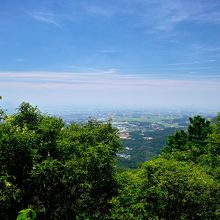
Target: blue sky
[{"x": 124, "y": 53}]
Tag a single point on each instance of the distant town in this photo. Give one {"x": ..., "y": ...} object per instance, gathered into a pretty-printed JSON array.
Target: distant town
[{"x": 143, "y": 133}]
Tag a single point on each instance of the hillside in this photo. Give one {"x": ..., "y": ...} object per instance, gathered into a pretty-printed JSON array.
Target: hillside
[{"x": 58, "y": 171}]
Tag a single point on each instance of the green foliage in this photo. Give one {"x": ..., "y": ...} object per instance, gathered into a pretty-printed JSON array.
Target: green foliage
[
  {"x": 2, "y": 113},
  {"x": 214, "y": 138},
  {"x": 167, "y": 189},
  {"x": 48, "y": 131},
  {"x": 27, "y": 116},
  {"x": 129, "y": 202},
  {"x": 26, "y": 214},
  {"x": 182, "y": 183},
  {"x": 178, "y": 190},
  {"x": 192, "y": 143},
  {"x": 177, "y": 141},
  {"x": 198, "y": 131},
  {"x": 63, "y": 172},
  {"x": 10, "y": 196},
  {"x": 69, "y": 172}
]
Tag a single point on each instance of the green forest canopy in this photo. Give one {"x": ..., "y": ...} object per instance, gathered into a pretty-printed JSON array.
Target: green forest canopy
[{"x": 69, "y": 171}]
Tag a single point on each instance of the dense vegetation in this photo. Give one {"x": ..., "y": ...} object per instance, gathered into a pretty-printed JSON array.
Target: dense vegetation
[
  {"x": 141, "y": 149},
  {"x": 69, "y": 171}
]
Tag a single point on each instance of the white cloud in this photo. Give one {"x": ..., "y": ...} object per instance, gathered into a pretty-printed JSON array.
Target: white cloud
[
  {"x": 20, "y": 60},
  {"x": 158, "y": 15},
  {"x": 107, "y": 89},
  {"x": 167, "y": 15},
  {"x": 99, "y": 10},
  {"x": 192, "y": 63},
  {"x": 107, "y": 77},
  {"x": 49, "y": 18},
  {"x": 108, "y": 51}
]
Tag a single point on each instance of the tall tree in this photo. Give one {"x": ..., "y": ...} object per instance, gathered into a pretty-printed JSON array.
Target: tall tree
[
  {"x": 167, "y": 189},
  {"x": 62, "y": 171},
  {"x": 193, "y": 141}
]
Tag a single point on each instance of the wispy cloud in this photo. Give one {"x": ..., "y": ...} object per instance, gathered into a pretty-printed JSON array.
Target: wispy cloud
[
  {"x": 107, "y": 89},
  {"x": 208, "y": 17},
  {"x": 106, "y": 77},
  {"x": 192, "y": 63},
  {"x": 214, "y": 49},
  {"x": 20, "y": 60},
  {"x": 109, "y": 51},
  {"x": 91, "y": 70},
  {"x": 49, "y": 18},
  {"x": 167, "y": 15},
  {"x": 99, "y": 10},
  {"x": 158, "y": 16}
]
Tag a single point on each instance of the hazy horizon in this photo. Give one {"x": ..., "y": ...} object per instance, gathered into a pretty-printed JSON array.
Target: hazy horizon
[{"x": 59, "y": 110}]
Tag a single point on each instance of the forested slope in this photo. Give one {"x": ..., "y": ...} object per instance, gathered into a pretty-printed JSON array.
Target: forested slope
[{"x": 70, "y": 172}]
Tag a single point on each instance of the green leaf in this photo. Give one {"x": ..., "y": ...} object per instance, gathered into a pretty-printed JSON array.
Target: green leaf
[{"x": 26, "y": 214}]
